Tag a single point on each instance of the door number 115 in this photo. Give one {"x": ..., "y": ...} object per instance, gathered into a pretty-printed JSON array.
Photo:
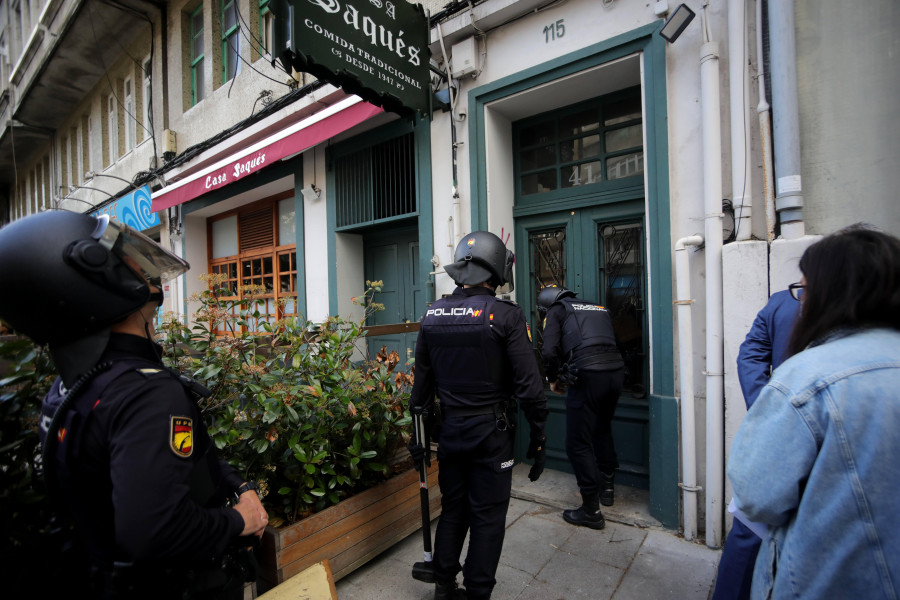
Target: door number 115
[{"x": 554, "y": 31}]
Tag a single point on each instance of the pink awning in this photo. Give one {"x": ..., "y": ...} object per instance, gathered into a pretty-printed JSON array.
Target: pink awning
[{"x": 296, "y": 138}]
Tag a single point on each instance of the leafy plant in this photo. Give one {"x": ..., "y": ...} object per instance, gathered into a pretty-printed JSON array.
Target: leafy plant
[
  {"x": 300, "y": 409},
  {"x": 36, "y": 545}
]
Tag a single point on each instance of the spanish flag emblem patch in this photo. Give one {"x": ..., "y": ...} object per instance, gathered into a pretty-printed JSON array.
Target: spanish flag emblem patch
[{"x": 181, "y": 436}]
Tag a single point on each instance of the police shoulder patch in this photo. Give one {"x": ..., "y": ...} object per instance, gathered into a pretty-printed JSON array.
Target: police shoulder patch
[{"x": 181, "y": 436}]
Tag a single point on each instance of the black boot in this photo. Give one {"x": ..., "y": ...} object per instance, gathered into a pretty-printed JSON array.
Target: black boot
[
  {"x": 588, "y": 514},
  {"x": 607, "y": 488},
  {"x": 448, "y": 591}
]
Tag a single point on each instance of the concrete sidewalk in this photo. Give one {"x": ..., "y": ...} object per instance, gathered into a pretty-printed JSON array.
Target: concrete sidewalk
[{"x": 545, "y": 558}]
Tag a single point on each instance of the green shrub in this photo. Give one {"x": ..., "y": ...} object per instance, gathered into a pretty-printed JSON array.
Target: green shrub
[
  {"x": 301, "y": 409},
  {"x": 292, "y": 409},
  {"x": 36, "y": 546}
]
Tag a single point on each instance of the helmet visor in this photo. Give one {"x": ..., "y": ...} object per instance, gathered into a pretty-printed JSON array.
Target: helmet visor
[
  {"x": 509, "y": 284},
  {"x": 155, "y": 263}
]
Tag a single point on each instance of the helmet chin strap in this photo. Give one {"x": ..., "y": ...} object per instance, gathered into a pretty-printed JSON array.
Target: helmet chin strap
[
  {"x": 157, "y": 351},
  {"x": 157, "y": 297}
]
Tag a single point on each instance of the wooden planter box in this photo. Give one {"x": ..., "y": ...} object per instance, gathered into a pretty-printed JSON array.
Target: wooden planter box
[{"x": 350, "y": 533}]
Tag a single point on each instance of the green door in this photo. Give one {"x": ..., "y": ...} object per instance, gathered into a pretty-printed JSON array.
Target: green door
[
  {"x": 598, "y": 253},
  {"x": 393, "y": 258}
]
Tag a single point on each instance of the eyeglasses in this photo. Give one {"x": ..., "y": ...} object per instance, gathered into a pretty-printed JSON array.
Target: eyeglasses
[{"x": 796, "y": 290}]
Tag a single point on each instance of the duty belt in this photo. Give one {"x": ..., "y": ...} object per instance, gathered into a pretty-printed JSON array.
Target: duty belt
[
  {"x": 595, "y": 359},
  {"x": 504, "y": 412},
  {"x": 470, "y": 411}
]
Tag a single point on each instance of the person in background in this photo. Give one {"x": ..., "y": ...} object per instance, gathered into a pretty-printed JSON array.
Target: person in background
[
  {"x": 474, "y": 353},
  {"x": 126, "y": 452},
  {"x": 763, "y": 350},
  {"x": 813, "y": 459},
  {"x": 580, "y": 352}
]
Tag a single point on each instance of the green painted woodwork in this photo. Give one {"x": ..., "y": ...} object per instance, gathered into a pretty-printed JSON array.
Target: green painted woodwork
[
  {"x": 421, "y": 218},
  {"x": 393, "y": 257},
  {"x": 663, "y": 418}
]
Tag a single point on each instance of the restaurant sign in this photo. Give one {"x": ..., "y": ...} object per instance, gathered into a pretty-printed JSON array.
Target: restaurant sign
[{"x": 376, "y": 49}]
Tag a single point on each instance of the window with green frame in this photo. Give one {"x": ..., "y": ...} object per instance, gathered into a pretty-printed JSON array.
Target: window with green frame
[
  {"x": 266, "y": 23},
  {"x": 587, "y": 144},
  {"x": 197, "y": 83},
  {"x": 231, "y": 40}
]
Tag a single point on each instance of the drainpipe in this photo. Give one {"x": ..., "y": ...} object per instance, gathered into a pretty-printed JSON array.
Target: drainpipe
[
  {"x": 712, "y": 201},
  {"x": 455, "y": 208},
  {"x": 742, "y": 192},
  {"x": 765, "y": 128},
  {"x": 786, "y": 126},
  {"x": 689, "y": 487}
]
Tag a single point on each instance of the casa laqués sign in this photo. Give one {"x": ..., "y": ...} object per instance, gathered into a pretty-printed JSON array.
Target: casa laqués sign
[{"x": 376, "y": 49}]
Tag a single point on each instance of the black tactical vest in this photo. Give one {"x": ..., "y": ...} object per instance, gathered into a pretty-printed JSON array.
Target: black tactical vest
[
  {"x": 465, "y": 356},
  {"x": 206, "y": 481},
  {"x": 586, "y": 324}
]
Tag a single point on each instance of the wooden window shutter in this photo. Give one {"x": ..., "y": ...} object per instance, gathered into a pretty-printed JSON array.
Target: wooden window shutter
[{"x": 256, "y": 229}]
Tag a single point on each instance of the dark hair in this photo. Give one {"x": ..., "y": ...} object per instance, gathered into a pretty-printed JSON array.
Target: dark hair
[{"x": 852, "y": 280}]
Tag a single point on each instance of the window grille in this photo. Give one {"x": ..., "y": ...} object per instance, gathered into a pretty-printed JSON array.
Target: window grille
[{"x": 376, "y": 183}]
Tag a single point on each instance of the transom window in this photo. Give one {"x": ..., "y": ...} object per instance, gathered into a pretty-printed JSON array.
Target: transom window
[{"x": 586, "y": 144}]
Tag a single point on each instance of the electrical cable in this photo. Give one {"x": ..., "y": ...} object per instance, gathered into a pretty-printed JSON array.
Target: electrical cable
[
  {"x": 737, "y": 221},
  {"x": 149, "y": 75},
  {"x": 238, "y": 53},
  {"x": 112, "y": 90},
  {"x": 189, "y": 153},
  {"x": 262, "y": 47}
]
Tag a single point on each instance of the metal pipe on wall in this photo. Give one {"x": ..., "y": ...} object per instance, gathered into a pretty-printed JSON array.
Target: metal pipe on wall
[
  {"x": 765, "y": 127},
  {"x": 455, "y": 212},
  {"x": 742, "y": 191},
  {"x": 786, "y": 119},
  {"x": 683, "y": 302},
  {"x": 712, "y": 201}
]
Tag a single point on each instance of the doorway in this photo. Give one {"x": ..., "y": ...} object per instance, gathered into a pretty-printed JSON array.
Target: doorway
[
  {"x": 598, "y": 253},
  {"x": 392, "y": 257}
]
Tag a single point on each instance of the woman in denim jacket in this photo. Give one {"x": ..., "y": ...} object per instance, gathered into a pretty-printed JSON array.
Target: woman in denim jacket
[{"x": 816, "y": 456}]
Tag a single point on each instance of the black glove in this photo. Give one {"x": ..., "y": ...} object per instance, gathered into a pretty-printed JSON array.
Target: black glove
[
  {"x": 418, "y": 454},
  {"x": 537, "y": 450}
]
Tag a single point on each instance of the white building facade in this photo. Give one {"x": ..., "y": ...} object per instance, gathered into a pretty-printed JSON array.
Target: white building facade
[{"x": 675, "y": 182}]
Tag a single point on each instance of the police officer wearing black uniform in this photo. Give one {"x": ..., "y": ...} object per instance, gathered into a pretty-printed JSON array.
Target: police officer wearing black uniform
[
  {"x": 474, "y": 352},
  {"x": 126, "y": 450},
  {"x": 580, "y": 353}
]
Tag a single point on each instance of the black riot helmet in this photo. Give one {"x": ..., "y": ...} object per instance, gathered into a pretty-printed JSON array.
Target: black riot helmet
[
  {"x": 482, "y": 256},
  {"x": 67, "y": 277},
  {"x": 549, "y": 295}
]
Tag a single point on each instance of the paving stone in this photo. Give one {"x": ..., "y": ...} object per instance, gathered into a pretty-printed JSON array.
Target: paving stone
[{"x": 667, "y": 566}]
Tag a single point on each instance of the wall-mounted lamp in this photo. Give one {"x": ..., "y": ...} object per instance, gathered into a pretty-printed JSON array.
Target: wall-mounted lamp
[
  {"x": 92, "y": 174},
  {"x": 677, "y": 23},
  {"x": 311, "y": 192}
]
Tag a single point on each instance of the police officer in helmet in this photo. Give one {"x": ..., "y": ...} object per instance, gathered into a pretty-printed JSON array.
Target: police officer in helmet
[
  {"x": 126, "y": 451},
  {"x": 580, "y": 352},
  {"x": 474, "y": 352}
]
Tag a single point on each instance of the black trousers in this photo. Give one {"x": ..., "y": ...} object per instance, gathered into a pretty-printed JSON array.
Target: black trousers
[
  {"x": 590, "y": 406},
  {"x": 476, "y": 461}
]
